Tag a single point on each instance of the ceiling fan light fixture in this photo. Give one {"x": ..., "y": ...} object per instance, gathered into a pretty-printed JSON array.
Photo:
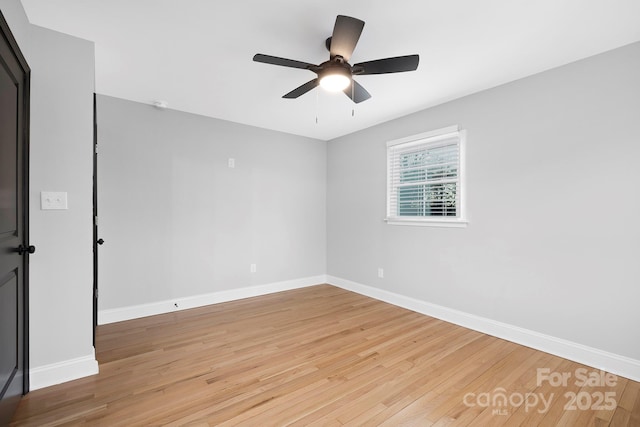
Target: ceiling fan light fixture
[{"x": 335, "y": 79}]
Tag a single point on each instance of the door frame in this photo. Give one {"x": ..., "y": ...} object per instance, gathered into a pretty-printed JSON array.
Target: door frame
[{"x": 95, "y": 219}]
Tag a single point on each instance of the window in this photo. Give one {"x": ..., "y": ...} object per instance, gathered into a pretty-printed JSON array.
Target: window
[{"x": 425, "y": 184}]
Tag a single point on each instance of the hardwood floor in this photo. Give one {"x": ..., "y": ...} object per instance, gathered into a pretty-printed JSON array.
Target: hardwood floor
[{"x": 327, "y": 357}]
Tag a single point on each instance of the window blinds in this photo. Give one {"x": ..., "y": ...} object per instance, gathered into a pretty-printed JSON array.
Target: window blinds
[{"x": 423, "y": 177}]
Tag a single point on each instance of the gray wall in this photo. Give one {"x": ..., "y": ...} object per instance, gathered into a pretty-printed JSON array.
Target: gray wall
[
  {"x": 178, "y": 222},
  {"x": 61, "y": 271},
  {"x": 62, "y": 85},
  {"x": 15, "y": 16},
  {"x": 553, "y": 205}
]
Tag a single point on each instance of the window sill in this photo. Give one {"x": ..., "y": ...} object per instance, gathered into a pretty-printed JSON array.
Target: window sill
[{"x": 447, "y": 223}]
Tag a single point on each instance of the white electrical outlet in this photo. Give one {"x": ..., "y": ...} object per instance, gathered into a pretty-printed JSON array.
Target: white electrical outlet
[
  {"x": 253, "y": 268},
  {"x": 232, "y": 163},
  {"x": 381, "y": 273}
]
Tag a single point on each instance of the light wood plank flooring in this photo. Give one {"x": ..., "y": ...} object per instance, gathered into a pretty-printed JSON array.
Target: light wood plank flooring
[{"x": 322, "y": 356}]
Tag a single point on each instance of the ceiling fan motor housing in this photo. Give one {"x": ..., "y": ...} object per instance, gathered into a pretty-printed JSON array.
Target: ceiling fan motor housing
[{"x": 335, "y": 66}]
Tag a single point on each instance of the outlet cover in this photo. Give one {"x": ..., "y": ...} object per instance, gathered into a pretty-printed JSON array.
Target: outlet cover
[{"x": 53, "y": 200}]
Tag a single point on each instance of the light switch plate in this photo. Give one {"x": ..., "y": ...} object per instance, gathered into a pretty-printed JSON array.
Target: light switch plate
[{"x": 50, "y": 200}]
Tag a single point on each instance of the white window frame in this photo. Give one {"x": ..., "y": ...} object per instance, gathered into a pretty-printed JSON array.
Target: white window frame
[{"x": 430, "y": 139}]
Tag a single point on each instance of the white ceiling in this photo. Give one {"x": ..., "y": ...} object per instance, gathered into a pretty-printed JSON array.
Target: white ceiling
[{"x": 197, "y": 54}]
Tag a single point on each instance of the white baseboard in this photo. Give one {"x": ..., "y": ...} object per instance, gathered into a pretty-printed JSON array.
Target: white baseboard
[
  {"x": 57, "y": 373},
  {"x": 168, "y": 306},
  {"x": 599, "y": 359}
]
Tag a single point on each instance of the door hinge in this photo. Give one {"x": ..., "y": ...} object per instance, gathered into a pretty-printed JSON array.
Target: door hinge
[
  {"x": 95, "y": 149},
  {"x": 95, "y": 219},
  {"x": 97, "y": 293}
]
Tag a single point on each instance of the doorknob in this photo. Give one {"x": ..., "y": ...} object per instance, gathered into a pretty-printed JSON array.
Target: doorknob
[
  {"x": 22, "y": 249},
  {"x": 100, "y": 241}
]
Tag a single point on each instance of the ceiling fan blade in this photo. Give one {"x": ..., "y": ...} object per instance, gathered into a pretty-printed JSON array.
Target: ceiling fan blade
[
  {"x": 274, "y": 60},
  {"x": 301, "y": 90},
  {"x": 397, "y": 64},
  {"x": 346, "y": 33},
  {"x": 356, "y": 92}
]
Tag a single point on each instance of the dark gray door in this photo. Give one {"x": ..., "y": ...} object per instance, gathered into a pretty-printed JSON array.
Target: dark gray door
[{"x": 14, "y": 249}]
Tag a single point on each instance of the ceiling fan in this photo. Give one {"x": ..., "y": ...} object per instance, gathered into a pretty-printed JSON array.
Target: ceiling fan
[{"x": 336, "y": 74}]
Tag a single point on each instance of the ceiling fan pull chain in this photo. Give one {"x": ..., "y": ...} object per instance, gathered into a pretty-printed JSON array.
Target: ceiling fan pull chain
[
  {"x": 353, "y": 96},
  {"x": 317, "y": 108}
]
